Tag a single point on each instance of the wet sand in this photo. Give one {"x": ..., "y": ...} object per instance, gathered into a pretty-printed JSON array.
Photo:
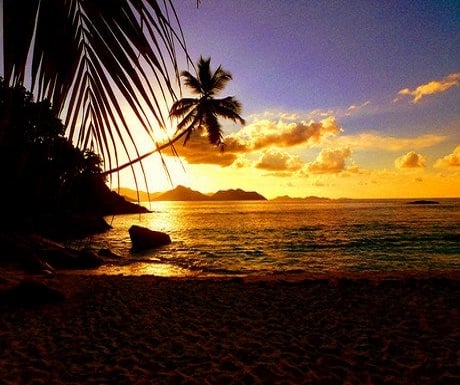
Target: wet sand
[{"x": 313, "y": 330}]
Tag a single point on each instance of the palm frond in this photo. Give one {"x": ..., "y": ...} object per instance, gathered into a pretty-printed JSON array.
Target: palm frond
[
  {"x": 192, "y": 82},
  {"x": 189, "y": 122},
  {"x": 91, "y": 58},
  {"x": 204, "y": 74},
  {"x": 181, "y": 107},
  {"x": 229, "y": 108},
  {"x": 219, "y": 80}
]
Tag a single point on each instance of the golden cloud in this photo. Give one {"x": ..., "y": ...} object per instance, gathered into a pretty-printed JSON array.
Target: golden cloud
[
  {"x": 268, "y": 133},
  {"x": 410, "y": 160},
  {"x": 199, "y": 151},
  {"x": 259, "y": 136},
  {"x": 275, "y": 160},
  {"x": 329, "y": 161},
  {"x": 449, "y": 161},
  {"x": 431, "y": 88}
]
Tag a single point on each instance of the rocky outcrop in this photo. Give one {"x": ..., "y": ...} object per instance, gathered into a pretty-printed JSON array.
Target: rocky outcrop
[
  {"x": 73, "y": 226},
  {"x": 36, "y": 254},
  {"x": 143, "y": 238},
  {"x": 116, "y": 204}
]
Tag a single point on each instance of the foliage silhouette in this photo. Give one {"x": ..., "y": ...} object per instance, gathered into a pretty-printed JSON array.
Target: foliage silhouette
[
  {"x": 91, "y": 57},
  {"x": 46, "y": 178},
  {"x": 202, "y": 113}
]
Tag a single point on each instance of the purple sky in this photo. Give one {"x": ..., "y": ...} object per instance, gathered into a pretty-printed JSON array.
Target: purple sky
[
  {"x": 341, "y": 98},
  {"x": 302, "y": 55},
  {"x": 385, "y": 74}
]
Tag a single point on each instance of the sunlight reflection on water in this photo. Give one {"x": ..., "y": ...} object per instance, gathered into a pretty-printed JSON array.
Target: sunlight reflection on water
[
  {"x": 243, "y": 238},
  {"x": 143, "y": 268}
]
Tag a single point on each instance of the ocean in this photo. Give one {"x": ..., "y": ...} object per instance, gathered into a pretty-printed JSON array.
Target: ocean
[{"x": 272, "y": 237}]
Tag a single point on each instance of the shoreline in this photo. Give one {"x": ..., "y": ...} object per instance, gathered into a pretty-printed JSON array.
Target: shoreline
[{"x": 315, "y": 329}]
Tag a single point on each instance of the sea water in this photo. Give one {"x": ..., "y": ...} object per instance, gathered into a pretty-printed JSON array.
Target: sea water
[{"x": 270, "y": 237}]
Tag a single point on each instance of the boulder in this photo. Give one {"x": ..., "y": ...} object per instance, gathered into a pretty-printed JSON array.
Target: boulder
[
  {"x": 67, "y": 258},
  {"x": 107, "y": 253},
  {"x": 143, "y": 238},
  {"x": 36, "y": 254}
]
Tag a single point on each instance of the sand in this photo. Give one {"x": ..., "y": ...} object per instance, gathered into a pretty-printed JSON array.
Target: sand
[{"x": 316, "y": 330}]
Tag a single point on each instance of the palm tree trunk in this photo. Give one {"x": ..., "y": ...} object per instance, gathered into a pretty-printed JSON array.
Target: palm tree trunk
[{"x": 146, "y": 155}]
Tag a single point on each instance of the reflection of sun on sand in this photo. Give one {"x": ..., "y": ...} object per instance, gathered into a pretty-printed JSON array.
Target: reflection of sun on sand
[{"x": 356, "y": 330}]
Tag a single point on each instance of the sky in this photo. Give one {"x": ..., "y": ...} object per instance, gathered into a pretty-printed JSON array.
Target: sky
[{"x": 355, "y": 99}]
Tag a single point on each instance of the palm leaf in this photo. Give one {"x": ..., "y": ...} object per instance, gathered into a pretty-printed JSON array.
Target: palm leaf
[
  {"x": 229, "y": 108},
  {"x": 192, "y": 82},
  {"x": 219, "y": 80},
  {"x": 90, "y": 58}
]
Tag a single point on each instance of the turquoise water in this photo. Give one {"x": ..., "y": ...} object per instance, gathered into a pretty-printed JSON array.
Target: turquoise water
[{"x": 266, "y": 237}]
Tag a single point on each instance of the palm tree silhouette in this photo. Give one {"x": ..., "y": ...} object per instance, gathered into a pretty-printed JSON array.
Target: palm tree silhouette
[
  {"x": 92, "y": 60},
  {"x": 202, "y": 113}
]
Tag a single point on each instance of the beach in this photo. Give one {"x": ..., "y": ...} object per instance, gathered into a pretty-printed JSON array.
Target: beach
[{"x": 325, "y": 329}]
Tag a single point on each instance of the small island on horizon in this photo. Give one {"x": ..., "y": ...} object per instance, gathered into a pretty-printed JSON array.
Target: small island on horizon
[
  {"x": 182, "y": 193},
  {"x": 186, "y": 194}
]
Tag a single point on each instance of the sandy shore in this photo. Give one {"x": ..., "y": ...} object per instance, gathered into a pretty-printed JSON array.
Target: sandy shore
[{"x": 323, "y": 330}]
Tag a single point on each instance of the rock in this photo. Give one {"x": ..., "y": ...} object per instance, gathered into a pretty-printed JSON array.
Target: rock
[
  {"x": 143, "y": 238},
  {"x": 66, "y": 258},
  {"x": 35, "y": 254},
  {"x": 107, "y": 253},
  {"x": 423, "y": 202},
  {"x": 35, "y": 265},
  {"x": 73, "y": 226}
]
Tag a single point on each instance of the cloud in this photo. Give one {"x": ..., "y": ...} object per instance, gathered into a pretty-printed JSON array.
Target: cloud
[
  {"x": 275, "y": 160},
  {"x": 410, "y": 160},
  {"x": 268, "y": 133},
  {"x": 329, "y": 161},
  {"x": 356, "y": 107},
  {"x": 199, "y": 151},
  {"x": 431, "y": 88},
  {"x": 449, "y": 161},
  {"x": 258, "y": 136},
  {"x": 370, "y": 140},
  {"x": 293, "y": 116}
]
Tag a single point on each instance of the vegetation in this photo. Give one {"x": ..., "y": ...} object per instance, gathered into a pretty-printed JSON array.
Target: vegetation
[
  {"x": 46, "y": 180},
  {"x": 86, "y": 59},
  {"x": 89, "y": 58},
  {"x": 203, "y": 112}
]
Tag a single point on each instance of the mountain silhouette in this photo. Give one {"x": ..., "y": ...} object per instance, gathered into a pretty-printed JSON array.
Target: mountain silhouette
[
  {"x": 181, "y": 193},
  {"x": 237, "y": 195}
]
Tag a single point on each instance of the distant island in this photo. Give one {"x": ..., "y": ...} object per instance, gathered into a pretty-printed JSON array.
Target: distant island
[
  {"x": 286, "y": 198},
  {"x": 423, "y": 202},
  {"x": 181, "y": 193}
]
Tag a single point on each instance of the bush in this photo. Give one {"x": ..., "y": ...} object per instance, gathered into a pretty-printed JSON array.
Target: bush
[{"x": 44, "y": 175}]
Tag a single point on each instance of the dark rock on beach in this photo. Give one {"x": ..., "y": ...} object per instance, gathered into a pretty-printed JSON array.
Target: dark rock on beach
[
  {"x": 423, "y": 202},
  {"x": 36, "y": 254},
  {"x": 143, "y": 238}
]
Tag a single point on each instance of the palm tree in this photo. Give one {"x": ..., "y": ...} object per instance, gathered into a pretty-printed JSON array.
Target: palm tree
[
  {"x": 202, "y": 113},
  {"x": 91, "y": 58}
]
